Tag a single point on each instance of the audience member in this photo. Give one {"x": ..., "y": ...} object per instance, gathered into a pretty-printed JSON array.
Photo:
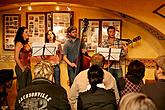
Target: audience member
[
  {"x": 96, "y": 97},
  {"x": 71, "y": 53},
  {"x": 112, "y": 42},
  {"x": 133, "y": 79},
  {"x": 42, "y": 93},
  {"x": 50, "y": 37},
  {"x": 136, "y": 101},
  {"x": 22, "y": 56},
  {"x": 157, "y": 90},
  {"x": 81, "y": 81}
]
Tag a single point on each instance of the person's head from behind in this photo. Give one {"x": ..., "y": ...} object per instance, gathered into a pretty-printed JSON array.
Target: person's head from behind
[
  {"x": 95, "y": 76},
  {"x": 72, "y": 31},
  {"x": 160, "y": 67},
  {"x": 50, "y": 37},
  {"x": 22, "y": 35},
  {"x": 98, "y": 59},
  {"x": 136, "y": 69},
  {"x": 111, "y": 31},
  {"x": 136, "y": 101},
  {"x": 44, "y": 69}
]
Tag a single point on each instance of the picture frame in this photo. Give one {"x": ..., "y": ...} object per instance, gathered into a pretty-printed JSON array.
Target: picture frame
[
  {"x": 39, "y": 23},
  {"x": 91, "y": 36},
  {"x": 11, "y": 23},
  {"x": 98, "y": 30},
  {"x": 60, "y": 21},
  {"x": 36, "y": 24}
]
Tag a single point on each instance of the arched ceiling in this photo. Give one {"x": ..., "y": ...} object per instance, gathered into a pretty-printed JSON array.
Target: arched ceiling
[{"x": 142, "y": 10}]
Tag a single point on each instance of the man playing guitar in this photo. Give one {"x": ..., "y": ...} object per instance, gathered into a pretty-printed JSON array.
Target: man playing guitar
[{"x": 115, "y": 66}]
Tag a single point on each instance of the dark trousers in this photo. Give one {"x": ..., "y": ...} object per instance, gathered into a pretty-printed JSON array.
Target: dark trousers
[
  {"x": 72, "y": 74},
  {"x": 117, "y": 73},
  {"x": 23, "y": 78},
  {"x": 57, "y": 74}
]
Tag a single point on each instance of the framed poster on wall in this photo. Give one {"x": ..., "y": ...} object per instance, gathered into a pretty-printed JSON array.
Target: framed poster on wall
[
  {"x": 97, "y": 31},
  {"x": 11, "y": 23},
  {"x": 60, "y": 22},
  {"x": 91, "y": 35},
  {"x": 36, "y": 26}
]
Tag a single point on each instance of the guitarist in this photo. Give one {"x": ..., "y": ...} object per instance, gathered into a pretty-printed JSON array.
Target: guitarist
[{"x": 114, "y": 67}]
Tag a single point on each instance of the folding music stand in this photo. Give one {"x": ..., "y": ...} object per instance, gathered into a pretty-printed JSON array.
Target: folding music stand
[
  {"x": 42, "y": 49},
  {"x": 110, "y": 54}
]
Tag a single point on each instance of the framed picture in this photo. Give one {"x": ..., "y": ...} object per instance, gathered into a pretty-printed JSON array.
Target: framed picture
[
  {"x": 11, "y": 23},
  {"x": 90, "y": 36},
  {"x": 36, "y": 26},
  {"x": 61, "y": 20},
  {"x": 96, "y": 31}
]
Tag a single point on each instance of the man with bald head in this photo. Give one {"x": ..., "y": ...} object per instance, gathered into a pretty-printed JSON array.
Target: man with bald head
[{"x": 81, "y": 82}]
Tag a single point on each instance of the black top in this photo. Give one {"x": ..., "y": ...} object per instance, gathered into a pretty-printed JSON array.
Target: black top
[
  {"x": 156, "y": 91},
  {"x": 100, "y": 100},
  {"x": 42, "y": 94}
]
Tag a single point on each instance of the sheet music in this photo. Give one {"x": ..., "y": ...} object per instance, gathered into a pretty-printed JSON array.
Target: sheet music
[
  {"x": 39, "y": 49},
  {"x": 113, "y": 52},
  {"x": 50, "y": 48}
]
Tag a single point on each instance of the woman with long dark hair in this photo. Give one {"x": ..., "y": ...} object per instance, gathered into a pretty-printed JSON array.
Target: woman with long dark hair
[
  {"x": 50, "y": 37},
  {"x": 96, "y": 97},
  {"x": 22, "y": 56}
]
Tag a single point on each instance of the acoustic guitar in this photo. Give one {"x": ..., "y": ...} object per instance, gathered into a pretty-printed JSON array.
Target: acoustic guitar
[{"x": 109, "y": 63}]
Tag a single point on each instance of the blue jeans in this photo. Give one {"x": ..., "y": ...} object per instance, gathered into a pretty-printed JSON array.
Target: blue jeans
[
  {"x": 72, "y": 74},
  {"x": 57, "y": 74},
  {"x": 117, "y": 73}
]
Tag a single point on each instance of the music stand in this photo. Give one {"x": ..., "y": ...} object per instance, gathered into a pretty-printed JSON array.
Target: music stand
[
  {"x": 42, "y": 49},
  {"x": 110, "y": 54}
]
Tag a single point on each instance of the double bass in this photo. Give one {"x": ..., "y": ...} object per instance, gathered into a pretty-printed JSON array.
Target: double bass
[{"x": 84, "y": 57}]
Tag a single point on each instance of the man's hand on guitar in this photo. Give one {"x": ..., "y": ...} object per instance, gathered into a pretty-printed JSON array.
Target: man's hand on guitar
[{"x": 125, "y": 47}]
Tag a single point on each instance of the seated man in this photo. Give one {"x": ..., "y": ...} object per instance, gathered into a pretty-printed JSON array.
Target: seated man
[
  {"x": 42, "y": 93},
  {"x": 156, "y": 90},
  {"x": 81, "y": 81}
]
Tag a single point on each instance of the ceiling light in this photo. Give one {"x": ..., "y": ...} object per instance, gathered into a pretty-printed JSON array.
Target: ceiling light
[
  {"x": 29, "y": 7},
  {"x": 57, "y": 8},
  {"x": 68, "y": 8},
  {"x": 20, "y": 8}
]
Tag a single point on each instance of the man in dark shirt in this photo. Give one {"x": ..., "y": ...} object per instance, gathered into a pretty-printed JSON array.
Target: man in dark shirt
[
  {"x": 42, "y": 94},
  {"x": 156, "y": 91}
]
